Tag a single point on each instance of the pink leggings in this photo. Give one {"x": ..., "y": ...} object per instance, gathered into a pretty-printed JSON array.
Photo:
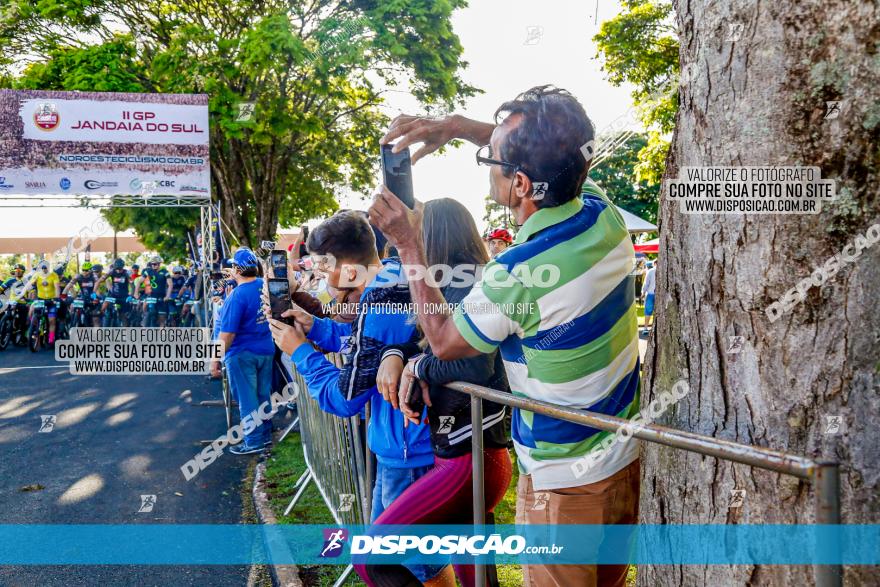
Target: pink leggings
[{"x": 444, "y": 495}]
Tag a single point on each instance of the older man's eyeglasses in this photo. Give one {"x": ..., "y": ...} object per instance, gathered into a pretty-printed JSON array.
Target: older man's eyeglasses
[{"x": 485, "y": 156}]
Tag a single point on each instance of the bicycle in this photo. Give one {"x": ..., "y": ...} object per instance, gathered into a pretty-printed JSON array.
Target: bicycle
[
  {"x": 80, "y": 314},
  {"x": 8, "y": 330},
  {"x": 62, "y": 320},
  {"x": 151, "y": 315},
  {"x": 38, "y": 331},
  {"x": 134, "y": 316},
  {"x": 111, "y": 317},
  {"x": 174, "y": 316},
  {"x": 16, "y": 317},
  {"x": 187, "y": 314}
]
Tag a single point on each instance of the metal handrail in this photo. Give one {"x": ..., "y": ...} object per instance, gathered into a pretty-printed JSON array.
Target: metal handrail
[{"x": 823, "y": 475}]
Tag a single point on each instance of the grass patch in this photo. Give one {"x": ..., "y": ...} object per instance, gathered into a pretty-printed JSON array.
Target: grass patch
[
  {"x": 505, "y": 513},
  {"x": 260, "y": 576},
  {"x": 283, "y": 468}
]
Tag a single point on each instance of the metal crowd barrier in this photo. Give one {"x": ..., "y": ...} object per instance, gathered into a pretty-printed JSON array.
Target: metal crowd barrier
[
  {"x": 824, "y": 475},
  {"x": 336, "y": 460}
]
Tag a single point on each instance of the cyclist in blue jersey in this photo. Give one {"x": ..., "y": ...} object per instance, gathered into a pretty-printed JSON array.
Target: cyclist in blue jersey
[
  {"x": 189, "y": 286},
  {"x": 118, "y": 287},
  {"x": 159, "y": 284},
  {"x": 86, "y": 283},
  {"x": 175, "y": 290},
  {"x": 178, "y": 279}
]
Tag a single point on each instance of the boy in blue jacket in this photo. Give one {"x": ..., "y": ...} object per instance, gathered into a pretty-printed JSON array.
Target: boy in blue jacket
[{"x": 403, "y": 453}]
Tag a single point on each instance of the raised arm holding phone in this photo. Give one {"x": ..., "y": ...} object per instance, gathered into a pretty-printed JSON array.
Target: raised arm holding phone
[{"x": 573, "y": 341}]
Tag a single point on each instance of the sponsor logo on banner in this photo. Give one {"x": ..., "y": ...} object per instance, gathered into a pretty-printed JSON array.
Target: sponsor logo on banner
[
  {"x": 46, "y": 117},
  {"x": 92, "y": 184},
  {"x": 36, "y": 185},
  {"x": 64, "y": 184},
  {"x": 192, "y": 188},
  {"x": 4, "y": 185},
  {"x": 138, "y": 184}
]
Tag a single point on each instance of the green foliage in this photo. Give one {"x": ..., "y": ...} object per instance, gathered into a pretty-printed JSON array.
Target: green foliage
[
  {"x": 7, "y": 262},
  {"x": 160, "y": 229},
  {"x": 652, "y": 159},
  {"x": 617, "y": 176},
  {"x": 110, "y": 67},
  {"x": 640, "y": 46},
  {"x": 305, "y": 66},
  {"x": 496, "y": 215}
]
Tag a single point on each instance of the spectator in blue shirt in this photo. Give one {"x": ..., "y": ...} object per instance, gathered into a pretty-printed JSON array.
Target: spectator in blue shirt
[
  {"x": 248, "y": 348},
  {"x": 403, "y": 453}
]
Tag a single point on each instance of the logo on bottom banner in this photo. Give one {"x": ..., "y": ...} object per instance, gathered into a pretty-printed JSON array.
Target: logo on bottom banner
[{"x": 334, "y": 539}]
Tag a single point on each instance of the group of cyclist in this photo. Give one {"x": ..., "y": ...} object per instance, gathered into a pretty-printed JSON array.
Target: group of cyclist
[{"x": 155, "y": 296}]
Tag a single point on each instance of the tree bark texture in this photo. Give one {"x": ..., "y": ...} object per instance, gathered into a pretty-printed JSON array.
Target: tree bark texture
[{"x": 757, "y": 77}]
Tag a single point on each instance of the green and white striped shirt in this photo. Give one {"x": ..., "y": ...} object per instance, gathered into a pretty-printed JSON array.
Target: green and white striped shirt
[{"x": 560, "y": 305}]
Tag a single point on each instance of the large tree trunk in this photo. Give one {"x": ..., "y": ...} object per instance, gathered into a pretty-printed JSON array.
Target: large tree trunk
[
  {"x": 761, "y": 100},
  {"x": 245, "y": 185}
]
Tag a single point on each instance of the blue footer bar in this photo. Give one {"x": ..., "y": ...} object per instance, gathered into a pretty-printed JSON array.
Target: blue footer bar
[{"x": 172, "y": 544}]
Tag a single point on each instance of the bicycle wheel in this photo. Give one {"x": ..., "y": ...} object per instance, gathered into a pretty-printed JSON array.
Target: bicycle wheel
[
  {"x": 19, "y": 330},
  {"x": 109, "y": 318},
  {"x": 5, "y": 331},
  {"x": 61, "y": 330},
  {"x": 33, "y": 335},
  {"x": 44, "y": 332}
]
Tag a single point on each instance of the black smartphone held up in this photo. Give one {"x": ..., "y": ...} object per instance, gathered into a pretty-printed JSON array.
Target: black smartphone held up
[
  {"x": 279, "y": 298},
  {"x": 397, "y": 174},
  {"x": 279, "y": 263},
  {"x": 414, "y": 398}
]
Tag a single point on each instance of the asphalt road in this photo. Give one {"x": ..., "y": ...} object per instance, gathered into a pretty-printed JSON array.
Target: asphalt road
[{"x": 115, "y": 438}]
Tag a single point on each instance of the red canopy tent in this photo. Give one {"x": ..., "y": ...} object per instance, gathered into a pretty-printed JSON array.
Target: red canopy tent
[{"x": 652, "y": 247}]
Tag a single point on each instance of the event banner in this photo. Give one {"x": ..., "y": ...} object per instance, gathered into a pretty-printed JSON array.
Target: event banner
[{"x": 80, "y": 143}]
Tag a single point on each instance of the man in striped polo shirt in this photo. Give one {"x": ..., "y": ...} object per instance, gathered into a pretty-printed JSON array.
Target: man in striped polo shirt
[{"x": 559, "y": 304}]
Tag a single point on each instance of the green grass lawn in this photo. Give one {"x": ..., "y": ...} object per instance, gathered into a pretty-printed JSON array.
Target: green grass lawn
[
  {"x": 287, "y": 464},
  {"x": 505, "y": 513},
  {"x": 283, "y": 468}
]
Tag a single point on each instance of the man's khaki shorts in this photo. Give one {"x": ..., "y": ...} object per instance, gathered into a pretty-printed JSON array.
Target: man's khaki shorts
[{"x": 614, "y": 500}]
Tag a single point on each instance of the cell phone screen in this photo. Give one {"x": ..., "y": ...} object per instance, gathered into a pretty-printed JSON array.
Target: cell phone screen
[
  {"x": 279, "y": 264},
  {"x": 279, "y": 297},
  {"x": 397, "y": 174}
]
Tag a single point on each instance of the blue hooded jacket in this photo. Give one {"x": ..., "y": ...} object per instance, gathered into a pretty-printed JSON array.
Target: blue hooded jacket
[{"x": 383, "y": 319}]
